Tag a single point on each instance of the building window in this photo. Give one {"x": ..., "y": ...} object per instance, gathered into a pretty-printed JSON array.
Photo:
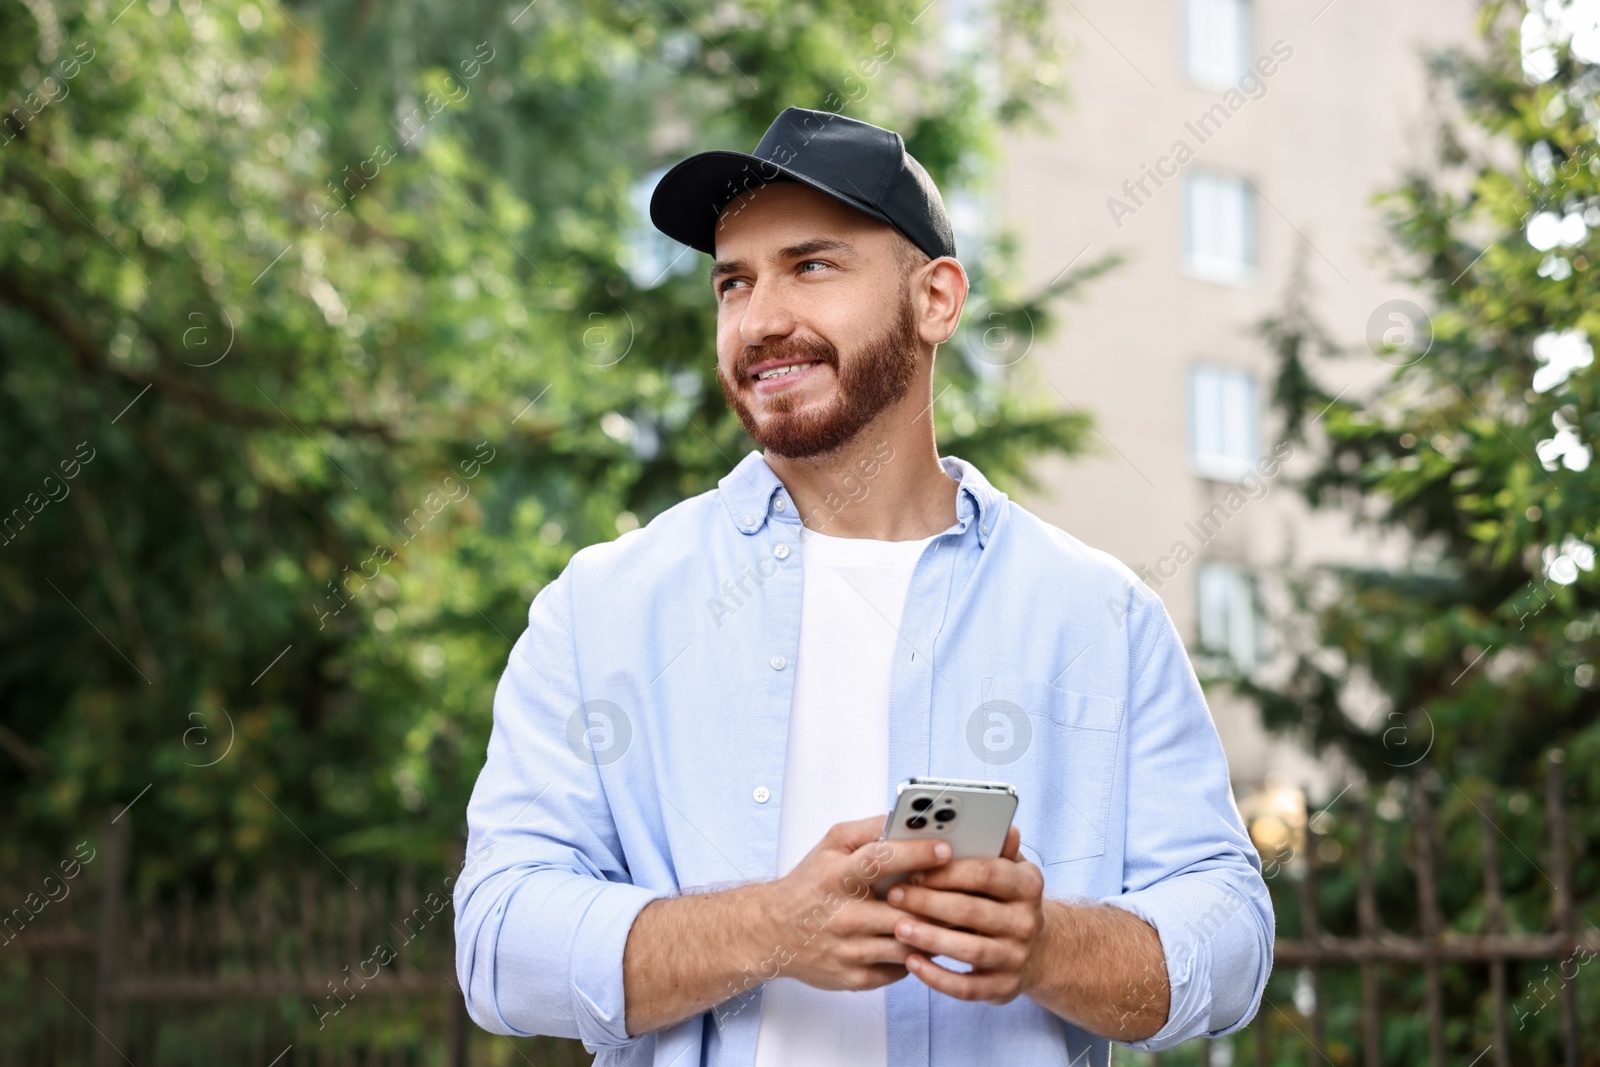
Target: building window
[
  {"x": 1223, "y": 439},
  {"x": 1229, "y": 620},
  {"x": 1220, "y": 228},
  {"x": 1216, "y": 41}
]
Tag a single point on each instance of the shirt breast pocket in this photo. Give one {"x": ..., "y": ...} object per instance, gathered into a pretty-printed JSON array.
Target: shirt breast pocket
[{"x": 1059, "y": 748}]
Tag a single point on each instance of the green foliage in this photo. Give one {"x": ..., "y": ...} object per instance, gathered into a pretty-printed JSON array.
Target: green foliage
[
  {"x": 1481, "y": 643},
  {"x": 324, "y": 308},
  {"x": 1459, "y": 454}
]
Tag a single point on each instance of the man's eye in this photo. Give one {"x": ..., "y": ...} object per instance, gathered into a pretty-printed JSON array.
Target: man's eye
[
  {"x": 730, "y": 283},
  {"x": 812, "y": 262}
]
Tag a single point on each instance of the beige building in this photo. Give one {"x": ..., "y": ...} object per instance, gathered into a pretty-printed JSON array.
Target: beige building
[{"x": 1212, "y": 142}]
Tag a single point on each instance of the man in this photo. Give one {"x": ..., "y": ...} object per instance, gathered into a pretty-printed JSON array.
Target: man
[{"x": 697, "y": 737}]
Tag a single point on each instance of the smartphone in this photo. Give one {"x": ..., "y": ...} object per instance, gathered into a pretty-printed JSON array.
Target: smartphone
[{"x": 973, "y": 816}]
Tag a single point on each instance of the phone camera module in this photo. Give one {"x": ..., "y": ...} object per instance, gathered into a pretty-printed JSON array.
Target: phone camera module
[
  {"x": 916, "y": 822},
  {"x": 922, "y": 804},
  {"x": 945, "y": 814}
]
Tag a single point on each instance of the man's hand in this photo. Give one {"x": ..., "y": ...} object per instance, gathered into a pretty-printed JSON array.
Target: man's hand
[
  {"x": 833, "y": 932},
  {"x": 819, "y": 923},
  {"x": 988, "y": 913},
  {"x": 1098, "y": 967}
]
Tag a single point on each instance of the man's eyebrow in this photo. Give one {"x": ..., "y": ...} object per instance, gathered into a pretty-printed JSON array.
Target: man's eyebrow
[
  {"x": 808, "y": 247},
  {"x": 814, "y": 245},
  {"x": 726, "y": 266}
]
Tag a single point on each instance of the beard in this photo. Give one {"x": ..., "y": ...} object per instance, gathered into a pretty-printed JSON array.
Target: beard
[{"x": 877, "y": 376}]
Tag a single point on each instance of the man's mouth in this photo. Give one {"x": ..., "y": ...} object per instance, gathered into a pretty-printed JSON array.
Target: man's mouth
[{"x": 778, "y": 372}]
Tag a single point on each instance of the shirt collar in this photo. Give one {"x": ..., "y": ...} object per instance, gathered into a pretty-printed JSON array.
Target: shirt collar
[{"x": 753, "y": 493}]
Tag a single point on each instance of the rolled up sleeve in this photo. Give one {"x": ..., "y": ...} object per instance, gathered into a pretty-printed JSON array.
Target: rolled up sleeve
[
  {"x": 544, "y": 904},
  {"x": 1190, "y": 871}
]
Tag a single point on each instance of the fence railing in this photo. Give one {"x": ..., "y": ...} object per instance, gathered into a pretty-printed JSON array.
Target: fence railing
[
  {"x": 298, "y": 970},
  {"x": 1483, "y": 956},
  {"x": 1495, "y": 947},
  {"x": 301, "y": 971}
]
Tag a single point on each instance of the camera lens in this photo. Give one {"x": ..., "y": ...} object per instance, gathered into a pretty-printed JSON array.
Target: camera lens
[
  {"x": 922, "y": 804},
  {"x": 945, "y": 814},
  {"x": 916, "y": 822}
]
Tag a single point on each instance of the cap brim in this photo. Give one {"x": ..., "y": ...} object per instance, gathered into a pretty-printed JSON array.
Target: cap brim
[{"x": 690, "y": 198}]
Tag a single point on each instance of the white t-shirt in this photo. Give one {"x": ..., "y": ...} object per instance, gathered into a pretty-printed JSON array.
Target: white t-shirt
[{"x": 836, "y": 768}]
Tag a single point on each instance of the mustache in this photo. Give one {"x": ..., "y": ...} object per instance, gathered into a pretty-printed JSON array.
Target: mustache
[{"x": 808, "y": 348}]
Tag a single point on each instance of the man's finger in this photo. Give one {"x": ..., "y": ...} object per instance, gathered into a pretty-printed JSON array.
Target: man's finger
[
  {"x": 1000, "y": 879},
  {"x": 1013, "y": 843},
  {"x": 869, "y": 917},
  {"x": 964, "y": 911},
  {"x": 879, "y": 950},
  {"x": 931, "y": 939},
  {"x": 878, "y": 858},
  {"x": 881, "y": 974},
  {"x": 975, "y": 986}
]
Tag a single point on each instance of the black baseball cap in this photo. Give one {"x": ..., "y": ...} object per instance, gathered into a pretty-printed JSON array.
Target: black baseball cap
[{"x": 864, "y": 166}]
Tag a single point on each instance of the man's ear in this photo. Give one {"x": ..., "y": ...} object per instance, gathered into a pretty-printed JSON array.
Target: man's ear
[{"x": 945, "y": 287}]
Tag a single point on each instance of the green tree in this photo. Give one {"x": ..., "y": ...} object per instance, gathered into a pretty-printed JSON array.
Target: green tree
[
  {"x": 1476, "y": 454},
  {"x": 328, "y": 335}
]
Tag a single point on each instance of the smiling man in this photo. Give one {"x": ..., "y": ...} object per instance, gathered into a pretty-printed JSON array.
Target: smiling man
[{"x": 698, "y": 736}]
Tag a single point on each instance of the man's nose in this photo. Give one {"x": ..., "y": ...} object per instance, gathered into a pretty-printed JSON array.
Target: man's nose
[{"x": 766, "y": 316}]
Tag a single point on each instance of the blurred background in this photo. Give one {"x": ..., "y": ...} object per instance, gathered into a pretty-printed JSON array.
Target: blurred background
[{"x": 329, "y": 331}]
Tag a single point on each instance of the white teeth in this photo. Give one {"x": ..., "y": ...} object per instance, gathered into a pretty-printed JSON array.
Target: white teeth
[{"x": 779, "y": 372}]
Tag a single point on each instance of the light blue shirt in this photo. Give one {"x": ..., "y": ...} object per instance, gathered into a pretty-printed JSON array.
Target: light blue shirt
[{"x": 638, "y": 751}]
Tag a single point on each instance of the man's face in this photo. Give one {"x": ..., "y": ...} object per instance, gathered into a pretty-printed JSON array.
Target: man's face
[{"x": 802, "y": 280}]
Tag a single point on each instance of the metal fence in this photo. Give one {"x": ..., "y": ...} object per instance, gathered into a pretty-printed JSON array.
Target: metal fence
[
  {"x": 1462, "y": 1012},
  {"x": 1492, "y": 948},
  {"x": 297, "y": 971}
]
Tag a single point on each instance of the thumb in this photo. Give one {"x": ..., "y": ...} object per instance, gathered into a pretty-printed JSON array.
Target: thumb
[{"x": 849, "y": 836}]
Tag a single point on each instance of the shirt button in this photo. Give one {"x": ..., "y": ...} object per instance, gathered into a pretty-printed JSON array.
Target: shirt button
[
  {"x": 780, "y": 505},
  {"x": 749, "y": 519},
  {"x": 782, "y": 551},
  {"x": 762, "y": 794},
  {"x": 778, "y": 663},
  {"x": 984, "y": 528}
]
